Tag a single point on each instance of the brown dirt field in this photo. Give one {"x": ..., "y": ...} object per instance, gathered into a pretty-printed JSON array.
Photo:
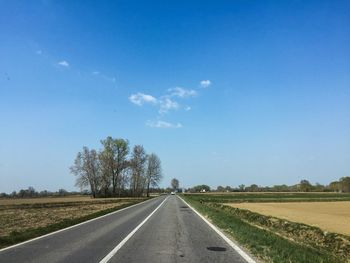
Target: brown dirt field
[
  {"x": 329, "y": 216},
  {"x": 20, "y": 214},
  {"x": 44, "y": 200}
]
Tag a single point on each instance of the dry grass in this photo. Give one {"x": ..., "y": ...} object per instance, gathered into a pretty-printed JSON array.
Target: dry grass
[
  {"x": 44, "y": 200},
  {"x": 22, "y": 214},
  {"x": 329, "y": 216}
]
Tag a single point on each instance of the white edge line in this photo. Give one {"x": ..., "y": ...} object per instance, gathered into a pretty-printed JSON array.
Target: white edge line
[
  {"x": 122, "y": 243},
  {"x": 223, "y": 236},
  {"x": 70, "y": 227}
]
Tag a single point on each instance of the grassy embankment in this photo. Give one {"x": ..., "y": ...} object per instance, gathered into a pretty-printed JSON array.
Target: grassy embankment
[
  {"x": 23, "y": 219},
  {"x": 272, "y": 239}
]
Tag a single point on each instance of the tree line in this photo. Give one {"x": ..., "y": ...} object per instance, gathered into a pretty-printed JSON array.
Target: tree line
[
  {"x": 341, "y": 186},
  {"x": 30, "y": 192},
  {"x": 114, "y": 170}
]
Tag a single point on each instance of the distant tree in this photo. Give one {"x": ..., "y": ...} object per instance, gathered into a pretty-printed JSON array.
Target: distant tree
[
  {"x": 334, "y": 186},
  {"x": 241, "y": 187},
  {"x": 345, "y": 184},
  {"x": 138, "y": 163},
  {"x": 318, "y": 187},
  {"x": 220, "y": 188},
  {"x": 253, "y": 188},
  {"x": 175, "y": 184},
  {"x": 305, "y": 186},
  {"x": 31, "y": 192},
  {"x": 44, "y": 193},
  {"x": 87, "y": 169},
  {"x": 201, "y": 188},
  {"x": 62, "y": 192},
  {"x": 153, "y": 172},
  {"x": 228, "y": 188},
  {"x": 280, "y": 188},
  {"x": 21, "y": 193}
]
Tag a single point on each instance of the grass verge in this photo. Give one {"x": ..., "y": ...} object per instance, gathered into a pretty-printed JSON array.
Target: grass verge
[{"x": 265, "y": 245}]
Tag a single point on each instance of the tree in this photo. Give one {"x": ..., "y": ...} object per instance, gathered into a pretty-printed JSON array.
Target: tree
[
  {"x": 87, "y": 169},
  {"x": 220, "y": 188},
  {"x": 44, "y": 193},
  {"x": 253, "y": 188},
  {"x": 122, "y": 147},
  {"x": 228, "y": 188},
  {"x": 305, "y": 186},
  {"x": 137, "y": 163},
  {"x": 175, "y": 183},
  {"x": 62, "y": 192},
  {"x": 31, "y": 191},
  {"x": 345, "y": 184},
  {"x": 280, "y": 188},
  {"x": 334, "y": 186},
  {"x": 201, "y": 188},
  {"x": 241, "y": 187},
  {"x": 318, "y": 187},
  {"x": 153, "y": 172},
  {"x": 113, "y": 160}
]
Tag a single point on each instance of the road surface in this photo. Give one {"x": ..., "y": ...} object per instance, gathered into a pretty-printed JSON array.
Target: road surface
[{"x": 162, "y": 229}]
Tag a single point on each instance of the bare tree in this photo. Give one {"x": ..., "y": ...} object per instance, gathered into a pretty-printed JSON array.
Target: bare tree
[
  {"x": 113, "y": 161},
  {"x": 175, "y": 183},
  {"x": 153, "y": 172},
  {"x": 138, "y": 162},
  {"x": 122, "y": 147},
  {"x": 87, "y": 169},
  {"x": 241, "y": 187}
]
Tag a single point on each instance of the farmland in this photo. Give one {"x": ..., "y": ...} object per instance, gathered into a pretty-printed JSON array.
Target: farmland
[
  {"x": 271, "y": 237},
  {"x": 21, "y": 219},
  {"x": 329, "y": 216}
]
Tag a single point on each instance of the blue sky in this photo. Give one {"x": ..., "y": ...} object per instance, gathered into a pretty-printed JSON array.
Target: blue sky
[{"x": 225, "y": 92}]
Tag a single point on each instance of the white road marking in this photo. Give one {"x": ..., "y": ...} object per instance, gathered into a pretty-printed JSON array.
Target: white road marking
[
  {"x": 122, "y": 243},
  {"x": 223, "y": 236},
  {"x": 70, "y": 227}
]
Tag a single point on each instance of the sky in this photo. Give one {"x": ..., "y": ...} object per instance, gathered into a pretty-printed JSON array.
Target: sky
[{"x": 224, "y": 92}]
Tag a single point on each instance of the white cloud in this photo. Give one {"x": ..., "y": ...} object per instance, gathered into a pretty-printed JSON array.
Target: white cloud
[
  {"x": 167, "y": 104},
  {"x": 182, "y": 93},
  {"x": 205, "y": 83},
  {"x": 63, "y": 63},
  {"x": 187, "y": 108},
  {"x": 140, "y": 99},
  {"x": 163, "y": 124}
]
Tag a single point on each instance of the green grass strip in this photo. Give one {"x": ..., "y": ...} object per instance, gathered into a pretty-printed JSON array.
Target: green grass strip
[
  {"x": 270, "y": 197},
  {"x": 263, "y": 244}
]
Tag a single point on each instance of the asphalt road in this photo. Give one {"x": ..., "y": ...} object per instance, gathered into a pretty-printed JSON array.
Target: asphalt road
[{"x": 173, "y": 233}]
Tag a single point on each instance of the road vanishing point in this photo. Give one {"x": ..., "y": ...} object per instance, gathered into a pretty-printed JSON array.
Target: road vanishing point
[{"x": 163, "y": 229}]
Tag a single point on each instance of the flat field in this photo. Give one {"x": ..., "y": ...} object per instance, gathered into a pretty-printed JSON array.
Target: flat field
[
  {"x": 282, "y": 227},
  {"x": 45, "y": 200},
  {"x": 329, "y": 216},
  {"x": 21, "y": 219},
  {"x": 265, "y": 197}
]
